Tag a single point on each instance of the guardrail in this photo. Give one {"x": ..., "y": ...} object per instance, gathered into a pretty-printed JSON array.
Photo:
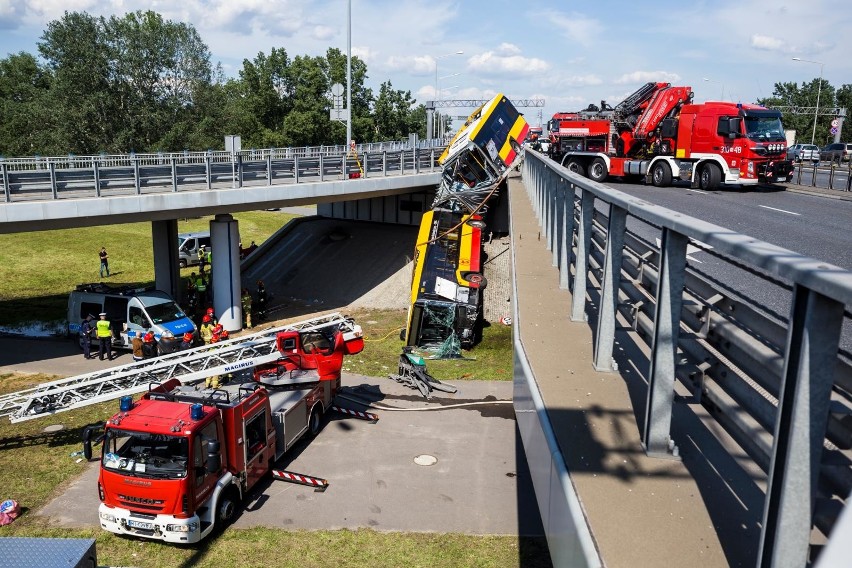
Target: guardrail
[
  {"x": 23, "y": 179},
  {"x": 834, "y": 176},
  {"x": 779, "y": 386}
]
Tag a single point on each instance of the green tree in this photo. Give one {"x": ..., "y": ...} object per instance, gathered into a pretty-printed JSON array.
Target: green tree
[
  {"x": 81, "y": 97},
  {"x": 791, "y": 94},
  {"x": 392, "y": 113},
  {"x": 24, "y": 88}
]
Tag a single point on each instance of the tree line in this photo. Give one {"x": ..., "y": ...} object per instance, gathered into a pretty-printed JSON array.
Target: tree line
[
  {"x": 139, "y": 83},
  {"x": 805, "y": 95}
]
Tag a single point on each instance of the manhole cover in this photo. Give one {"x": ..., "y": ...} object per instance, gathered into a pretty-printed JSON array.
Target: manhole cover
[
  {"x": 425, "y": 459},
  {"x": 54, "y": 428}
]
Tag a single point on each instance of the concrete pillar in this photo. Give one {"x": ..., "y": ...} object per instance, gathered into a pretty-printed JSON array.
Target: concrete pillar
[
  {"x": 164, "y": 235},
  {"x": 225, "y": 242}
]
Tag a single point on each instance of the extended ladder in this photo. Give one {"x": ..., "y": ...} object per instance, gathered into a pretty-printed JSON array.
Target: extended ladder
[{"x": 187, "y": 366}]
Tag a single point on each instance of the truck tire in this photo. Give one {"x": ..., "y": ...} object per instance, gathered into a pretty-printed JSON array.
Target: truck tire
[
  {"x": 182, "y": 263},
  {"x": 661, "y": 175},
  {"x": 315, "y": 421},
  {"x": 597, "y": 170},
  {"x": 575, "y": 167},
  {"x": 226, "y": 507},
  {"x": 710, "y": 177}
]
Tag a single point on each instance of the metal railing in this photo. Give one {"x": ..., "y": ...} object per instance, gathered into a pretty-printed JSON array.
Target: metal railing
[
  {"x": 780, "y": 387},
  {"x": 834, "y": 176},
  {"x": 24, "y": 179}
]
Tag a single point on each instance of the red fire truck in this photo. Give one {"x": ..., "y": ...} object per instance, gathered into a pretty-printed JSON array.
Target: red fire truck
[
  {"x": 176, "y": 463},
  {"x": 658, "y": 135}
]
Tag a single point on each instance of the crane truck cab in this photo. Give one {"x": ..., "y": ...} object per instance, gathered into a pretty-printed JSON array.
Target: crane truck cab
[
  {"x": 176, "y": 463},
  {"x": 129, "y": 309},
  {"x": 658, "y": 134}
]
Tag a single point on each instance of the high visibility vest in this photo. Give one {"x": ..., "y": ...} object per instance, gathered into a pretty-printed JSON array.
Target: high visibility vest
[
  {"x": 103, "y": 328},
  {"x": 200, "y": 285}
]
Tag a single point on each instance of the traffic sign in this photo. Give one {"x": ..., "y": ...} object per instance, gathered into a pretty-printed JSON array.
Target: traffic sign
[
  {"x": 835, "y": 123},
  {"x": 834, "y": 130}
]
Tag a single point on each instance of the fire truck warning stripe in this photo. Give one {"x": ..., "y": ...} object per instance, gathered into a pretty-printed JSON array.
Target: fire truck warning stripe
[
  {"x": 299, "y": 478},
  {"x": 356, "y": 413}
]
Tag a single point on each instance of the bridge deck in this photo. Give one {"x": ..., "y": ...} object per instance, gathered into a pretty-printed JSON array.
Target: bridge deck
[{"x": 701, "y": 511}]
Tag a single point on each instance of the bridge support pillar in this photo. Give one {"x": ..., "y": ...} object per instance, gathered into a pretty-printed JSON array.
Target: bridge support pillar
[
  {"x": 224, "y": 242},
  {"x": 164, "y": 235}
]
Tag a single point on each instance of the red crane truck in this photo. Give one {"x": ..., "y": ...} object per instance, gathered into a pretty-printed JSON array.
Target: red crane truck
[
  {"x": 658, "y": 135},
  {"x": 176, "y": 463}
]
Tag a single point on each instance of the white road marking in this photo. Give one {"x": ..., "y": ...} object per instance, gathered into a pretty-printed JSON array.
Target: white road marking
[
  {"x": 698, "y": 191},
  {"x": 780, "y": 210}
]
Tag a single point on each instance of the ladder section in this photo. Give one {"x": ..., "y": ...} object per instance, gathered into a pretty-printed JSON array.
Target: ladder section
[{"x": 187, "y": 366}]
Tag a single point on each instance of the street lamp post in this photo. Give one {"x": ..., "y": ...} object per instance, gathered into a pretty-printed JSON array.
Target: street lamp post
[
  {"x": 440, "y": 129},
  {"x": 349, "y": 74},
  {"x": 819, "y": 91},
  {"x": 437, "y": 114},
  {"x": 717, "y": 82}
]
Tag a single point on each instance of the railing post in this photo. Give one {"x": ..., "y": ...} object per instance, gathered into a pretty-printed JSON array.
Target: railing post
[
  {"x": 610, "y": 283},
  {"x": 803, "y": 404},
  {"x": 567, "y": 237},
  {"x": 416, "y": 155},
  {"x": 558, "y": 220},
  {"x": 7, "y": 187},
  {"x": 136, "y": 181},
  {"x": 207, "y": 172},
  {"x": 384, "y": 163},
  {"x": 551, "y": 218},
  {"x": 269, "y": 168},
  {"x": 365, "y": 157},
  {"x": 661, "y": 372},
  {"x": 322, "y": 167},
  {"x": 239, "y": 170},
  {"x": 174, "y": 173},
  {"x": 432, "y": 160},
  {"x": 296, "y": 168},
  {"x": 584, "y": 240},
  {"x": 52, "y": 169},
  {"x": 96, "y": 176}
]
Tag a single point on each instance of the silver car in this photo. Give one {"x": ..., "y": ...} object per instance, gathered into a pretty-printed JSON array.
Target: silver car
[{"x": 803, "y": 152}]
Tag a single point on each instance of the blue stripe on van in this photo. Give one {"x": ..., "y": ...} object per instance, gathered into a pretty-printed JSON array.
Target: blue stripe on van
[{"x": 179, "y": 327}]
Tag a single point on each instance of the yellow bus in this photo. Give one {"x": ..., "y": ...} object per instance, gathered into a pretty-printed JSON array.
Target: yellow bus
[
  {"x": 447, "y": 283},
  {"x": 483, "y": 151}
]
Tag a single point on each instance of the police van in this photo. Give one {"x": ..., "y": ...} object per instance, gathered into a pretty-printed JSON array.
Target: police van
[
  {"x": 188, "y": 245},
  {"x": 129, "y": 309}
]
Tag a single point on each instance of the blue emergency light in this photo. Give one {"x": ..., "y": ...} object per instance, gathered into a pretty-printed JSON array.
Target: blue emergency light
[
  {"x": 125, "y": 403},
  {"x": 196, "y": 411}
]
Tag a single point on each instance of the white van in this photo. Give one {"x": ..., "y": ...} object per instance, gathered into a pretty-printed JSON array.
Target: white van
[
  {"x": 188, "y": 244},
  {"x": 129, "y": 310}
]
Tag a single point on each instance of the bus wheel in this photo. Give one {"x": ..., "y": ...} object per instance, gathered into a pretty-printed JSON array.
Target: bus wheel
[
  {"x": 477, "y": 278},
  {"x": 710, "y": 177},
  {"x": 597, "y": 170},
  {"x": 661, "y": 175},
  {"x": 575, "y": 167}
]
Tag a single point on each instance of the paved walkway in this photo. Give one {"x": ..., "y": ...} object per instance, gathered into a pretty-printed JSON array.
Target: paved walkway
[{"x": 643, "y": 512}]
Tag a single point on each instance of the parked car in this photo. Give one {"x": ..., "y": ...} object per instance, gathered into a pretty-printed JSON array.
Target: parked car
[
  {"x": 803, "y": 152},
  {"x": 838, "y": 152}
]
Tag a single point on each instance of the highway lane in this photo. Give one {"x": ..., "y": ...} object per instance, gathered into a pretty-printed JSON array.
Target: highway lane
[{"x": 808, "y": 224}]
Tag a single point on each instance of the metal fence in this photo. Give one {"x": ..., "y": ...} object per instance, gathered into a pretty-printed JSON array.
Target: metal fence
[
  {"x": 23, "y": 179},
  {"x": 832, "y": 176},
  {"x": 779, "y": 387}
]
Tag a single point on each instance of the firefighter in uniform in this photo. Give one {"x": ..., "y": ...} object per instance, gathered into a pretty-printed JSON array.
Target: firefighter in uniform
[{"x": 104, "y": 333}]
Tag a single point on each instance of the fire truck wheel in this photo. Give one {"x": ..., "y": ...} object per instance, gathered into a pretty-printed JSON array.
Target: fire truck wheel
[
  {"x": 710, "y": 177},
  {"x": 597, "y": 170},
  {"x": 661, "y": 175},
  {"x": 315, "y": 421},
  {"x": 226, "y": 508},
  {"x": 575, "y": 167}
]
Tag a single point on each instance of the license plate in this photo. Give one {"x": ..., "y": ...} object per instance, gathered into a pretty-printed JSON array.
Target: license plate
[{"x": 140, "y": 525}]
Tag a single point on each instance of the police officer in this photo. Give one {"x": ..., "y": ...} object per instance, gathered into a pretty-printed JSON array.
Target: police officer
[
  {"x": 86, "y": 336},
  {"x": 104, "y": 333}
]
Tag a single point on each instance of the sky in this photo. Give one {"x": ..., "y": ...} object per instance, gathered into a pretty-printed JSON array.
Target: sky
[{"x": 570, "y": 54}]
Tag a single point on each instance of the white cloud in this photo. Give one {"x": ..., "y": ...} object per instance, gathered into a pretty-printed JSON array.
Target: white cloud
[
  {"x": 323, "y": 33},
  {"x": 508, "y": 49},
  {"x": 647, "y": 76},
  {"x": 769, "y": 43},
  {"x": 492, "y": 63},
  {"x": 417, "y": 65}
]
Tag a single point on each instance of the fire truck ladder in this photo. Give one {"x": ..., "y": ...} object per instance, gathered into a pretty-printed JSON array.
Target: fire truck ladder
[
  {"x": 187, "y": 366},
  {"x": 629, "y": 105}
]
